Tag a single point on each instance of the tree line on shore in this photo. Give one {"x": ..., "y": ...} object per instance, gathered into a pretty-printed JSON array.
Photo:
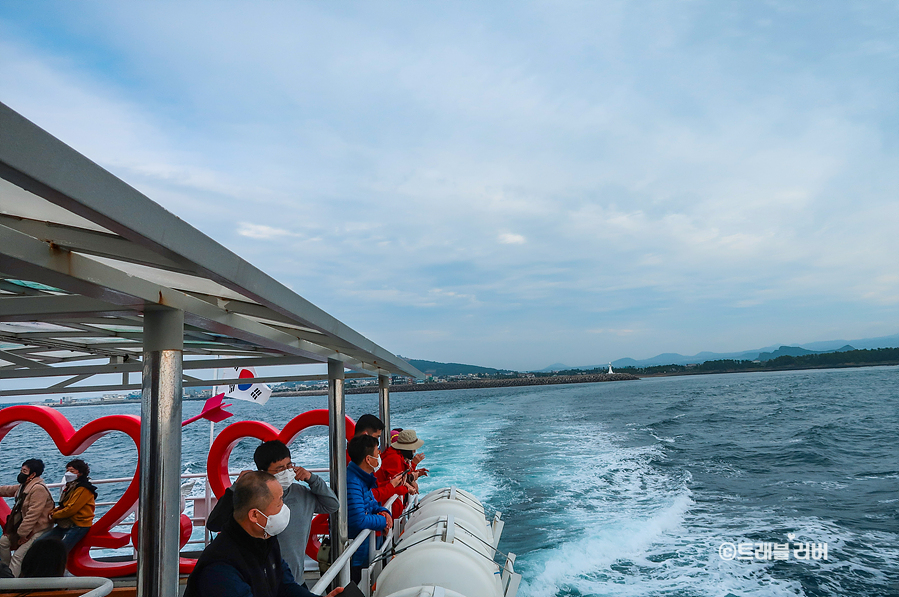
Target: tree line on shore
[{"x": 849, "y": 358}]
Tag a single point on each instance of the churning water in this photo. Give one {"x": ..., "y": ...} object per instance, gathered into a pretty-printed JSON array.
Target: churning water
[{"x": 630, "y": 488}]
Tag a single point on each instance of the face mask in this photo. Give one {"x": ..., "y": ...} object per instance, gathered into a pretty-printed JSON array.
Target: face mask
[
  {"x": 69, "y": 476},
  {"x": 378, "y": 466},
  {"x": 285, "y": 478},
  {"x": 22, "y": 478},
  {"x": 276, "y": 522}
]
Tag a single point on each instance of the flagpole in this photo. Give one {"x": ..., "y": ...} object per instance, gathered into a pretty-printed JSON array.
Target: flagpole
[{"x": 215, "y": 377}]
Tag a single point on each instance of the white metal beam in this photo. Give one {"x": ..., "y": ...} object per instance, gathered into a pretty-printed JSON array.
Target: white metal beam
[
  {"x": 118, "y": 387},
  {"x": 26, "y": 256}
]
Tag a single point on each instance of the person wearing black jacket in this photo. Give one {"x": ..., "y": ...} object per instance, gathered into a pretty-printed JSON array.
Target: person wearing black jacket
[{"x": 245, "y": 560}]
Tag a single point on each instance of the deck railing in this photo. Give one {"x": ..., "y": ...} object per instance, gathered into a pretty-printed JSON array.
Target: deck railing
[
  {"x": 366, "y": 538},
  {"x": 99, "y": 587},
  {"x": 206, "y": 499}
]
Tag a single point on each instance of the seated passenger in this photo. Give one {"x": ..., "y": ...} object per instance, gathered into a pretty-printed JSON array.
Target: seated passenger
[
  {"x": 45, "y": 559},
  {"x": 363, "y": 510},
  {"x": 75, "y": 513},
  {"x": 244, "y": 560},
  {"x": 273, "y": 457},
  {"x": 30, "y": 514},
  {"x": 400, "y": 461}
]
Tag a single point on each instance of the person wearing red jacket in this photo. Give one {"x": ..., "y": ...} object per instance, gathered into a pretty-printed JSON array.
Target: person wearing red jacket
[{"x": 398, "y": 473}]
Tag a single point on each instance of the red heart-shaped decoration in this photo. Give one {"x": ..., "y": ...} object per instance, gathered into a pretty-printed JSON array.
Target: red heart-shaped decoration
[
  {"x": 220, "y": 452},
  {"x": 71, "y": 442}
]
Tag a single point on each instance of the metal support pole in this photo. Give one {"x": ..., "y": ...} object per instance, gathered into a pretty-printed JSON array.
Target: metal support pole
[
  {"x": 337, "y": 450},
  {"x": 159, "y": 507},
  {"x": 384, "y": 409}
]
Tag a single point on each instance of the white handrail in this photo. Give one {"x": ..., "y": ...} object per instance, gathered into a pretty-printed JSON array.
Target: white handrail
[
  {"x": 342, "y": 561},
  {"x": 99, "y": 586},
  {"x": 346, "y": 556},
  {"x": 184, "y": 476}
]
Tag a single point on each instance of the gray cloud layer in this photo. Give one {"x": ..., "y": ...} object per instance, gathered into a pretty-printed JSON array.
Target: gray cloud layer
[{"x": 512, "y": 184}]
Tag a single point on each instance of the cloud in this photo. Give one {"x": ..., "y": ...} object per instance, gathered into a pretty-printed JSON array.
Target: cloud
[
  {"x": 262, "y": 232},
  {"x": 651, "y": 160},
  {"x": 508, "y": 238}
]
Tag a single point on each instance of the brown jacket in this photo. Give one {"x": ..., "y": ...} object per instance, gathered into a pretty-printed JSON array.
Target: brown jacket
[{"x": 35, "y": 510}]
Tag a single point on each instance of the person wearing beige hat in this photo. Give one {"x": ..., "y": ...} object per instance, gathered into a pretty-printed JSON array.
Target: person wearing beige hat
[{"x": 399, "y": 461}]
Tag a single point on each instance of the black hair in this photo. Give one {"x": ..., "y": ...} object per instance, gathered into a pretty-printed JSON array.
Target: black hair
[
  {"x": 80, "y": 466},
  {"x": 252, "y": 491},
  {"x": 35, "y": 465},
  {"x": 360, "y": 447},
  {"x": 269, "y": 452},
  {"x": 369, "y": 423},
  {"x": 407, "y": 454},
  {"x": 46, "y": 558}
]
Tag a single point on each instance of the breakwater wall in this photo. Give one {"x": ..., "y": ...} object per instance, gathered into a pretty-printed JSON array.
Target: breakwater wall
[{"x": 477, "y": 383}]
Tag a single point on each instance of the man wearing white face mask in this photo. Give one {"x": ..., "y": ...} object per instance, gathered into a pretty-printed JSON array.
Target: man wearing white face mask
[
  {"x": 363, "y": 510},
  {"x": 245, "y": 558},
  {"x": 304, "y": 501}
]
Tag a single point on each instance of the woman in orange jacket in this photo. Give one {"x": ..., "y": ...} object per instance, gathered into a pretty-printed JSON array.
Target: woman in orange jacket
[{"x": 75, "y": 513}]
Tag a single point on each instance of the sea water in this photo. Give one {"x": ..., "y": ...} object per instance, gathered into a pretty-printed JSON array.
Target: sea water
[{"x": 630, "y": 488}]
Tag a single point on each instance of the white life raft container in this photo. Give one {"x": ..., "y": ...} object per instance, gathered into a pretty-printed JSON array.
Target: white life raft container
[
  {"x": 448, "y": 548},
  {"x": 426, "y": 591},
  {"x": 462, "y": 505}
]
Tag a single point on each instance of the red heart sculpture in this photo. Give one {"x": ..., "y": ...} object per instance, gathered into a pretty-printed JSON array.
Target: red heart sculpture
[
  {"x": 187, "y": 529},
  {"x": 71, "y": 442},
  {"x": 220, "y": 452}
]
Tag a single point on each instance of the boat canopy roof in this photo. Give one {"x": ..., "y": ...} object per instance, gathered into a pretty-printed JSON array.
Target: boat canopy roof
[{"x": 83, "y": 256}]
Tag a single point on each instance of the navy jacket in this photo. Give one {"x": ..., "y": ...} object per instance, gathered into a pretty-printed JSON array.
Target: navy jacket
[{"x": 362, "y": 508}]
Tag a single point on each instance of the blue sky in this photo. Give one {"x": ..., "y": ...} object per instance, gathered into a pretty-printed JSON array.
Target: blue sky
[{"x": 510, "y": 184}]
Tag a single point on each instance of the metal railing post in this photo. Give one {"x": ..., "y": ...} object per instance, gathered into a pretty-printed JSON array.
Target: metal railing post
[
  {"x": 337, "y": 450},
  {"x": 384, "y": 409},
  {"x": 160, "y": 454}
]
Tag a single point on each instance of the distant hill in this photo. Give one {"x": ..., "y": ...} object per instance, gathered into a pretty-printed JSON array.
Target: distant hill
[
  {"x": 435, "y": 368},
  {"x": 797, "y": 351},
  {"x": 758, "y": 354},
  {"x": 556, "y": 367}
]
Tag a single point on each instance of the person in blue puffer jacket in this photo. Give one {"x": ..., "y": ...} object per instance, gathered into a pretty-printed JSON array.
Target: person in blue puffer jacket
[{"x": 363, "y": 510}]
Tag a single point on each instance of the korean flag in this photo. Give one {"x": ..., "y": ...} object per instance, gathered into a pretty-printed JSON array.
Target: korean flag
[{"x": 253, "y": 392}]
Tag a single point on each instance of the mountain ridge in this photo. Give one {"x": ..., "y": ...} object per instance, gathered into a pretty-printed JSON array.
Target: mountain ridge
[{"x": 760, "y": 354}]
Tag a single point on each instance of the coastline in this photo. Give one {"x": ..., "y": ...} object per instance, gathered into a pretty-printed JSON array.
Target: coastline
[
  {"x": 768, "y": 369},
  {"x": 509, "y": 383},
  {"x": 478, "y": 383}
]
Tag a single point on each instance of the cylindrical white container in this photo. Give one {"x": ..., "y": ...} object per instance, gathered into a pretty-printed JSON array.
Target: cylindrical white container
[
  {"x": 464, "y": 533},
  {"x": 426, "y": 591},
  {"x": 435, "y": 562},
  {"x": 456, "y": 494},
  {"x": 460, "y": 510}
]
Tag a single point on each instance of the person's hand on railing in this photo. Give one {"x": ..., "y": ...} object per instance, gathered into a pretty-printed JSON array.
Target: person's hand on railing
[
  {"x": 336, "y": 591},
  {"x": 302, "y": 474},
  {"x": 389, "y": 520}
]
